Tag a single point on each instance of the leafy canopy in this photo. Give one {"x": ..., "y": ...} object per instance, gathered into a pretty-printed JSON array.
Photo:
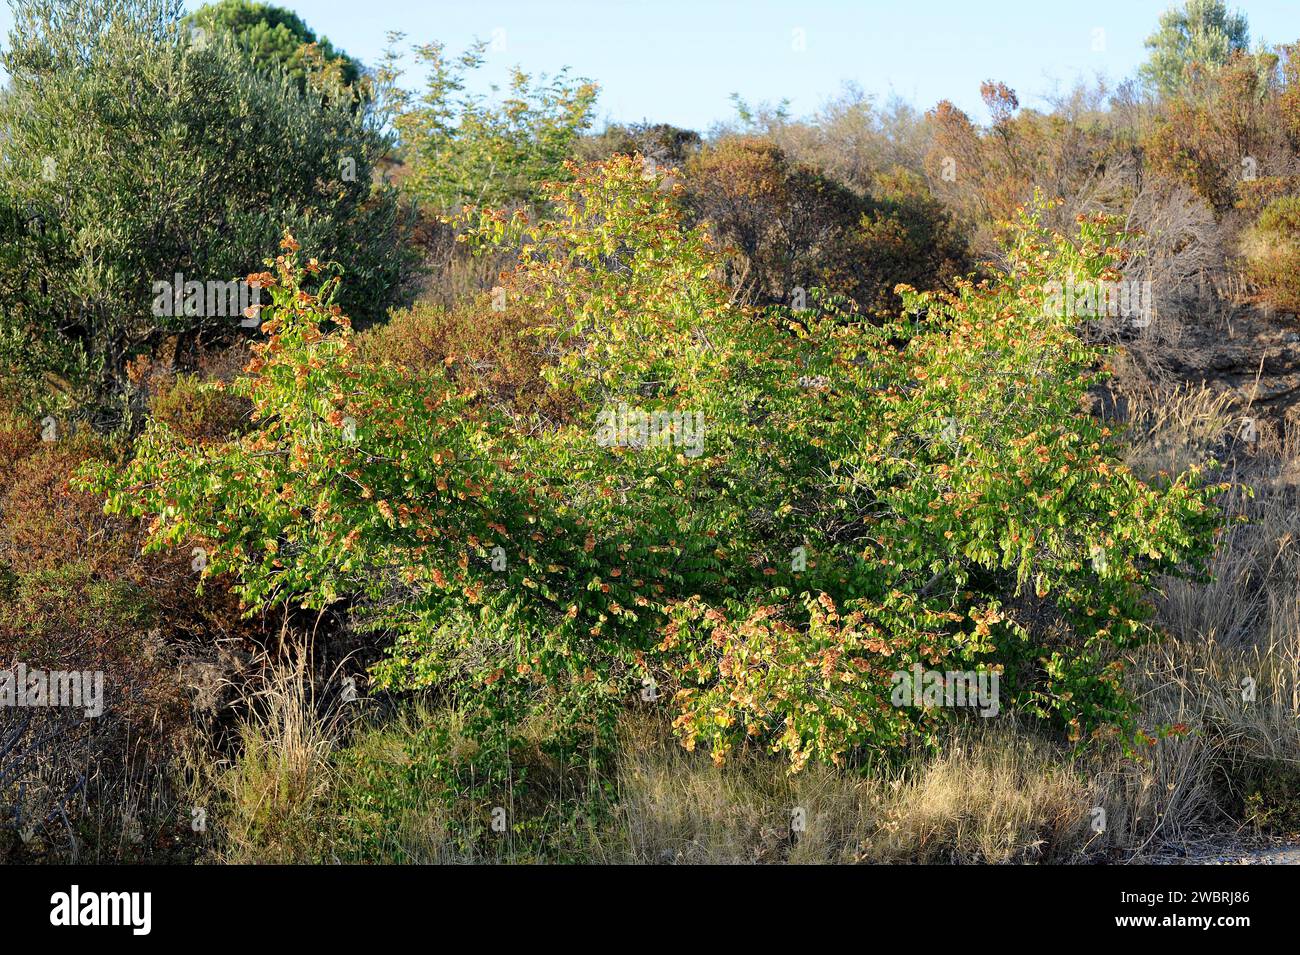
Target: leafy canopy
[
  {"x": 865, "y": 497},
  {"x": 1200, "y": 32},
  {"x": 272, "y": 35},
  {"x": 460, "y": 147},
  {"x": 133, "y": 153}
]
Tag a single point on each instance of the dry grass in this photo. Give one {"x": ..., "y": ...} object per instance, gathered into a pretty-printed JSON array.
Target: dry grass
[
  {"x": 273, "y": 797},
  {"x": 1237, "y": 635},
  {"x": 997, "y": 792},
  {"x": 1175, "y": 430},
  {"x": 990, "y": 796},
  {"x": 1194, "y": 785}
]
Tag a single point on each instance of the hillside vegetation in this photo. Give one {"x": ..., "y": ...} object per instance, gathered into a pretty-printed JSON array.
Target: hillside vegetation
[{"x": 431, "y": 477}]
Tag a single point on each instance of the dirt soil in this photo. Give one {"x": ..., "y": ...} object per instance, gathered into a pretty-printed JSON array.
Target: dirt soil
[{"x": 1242, "y": 849}]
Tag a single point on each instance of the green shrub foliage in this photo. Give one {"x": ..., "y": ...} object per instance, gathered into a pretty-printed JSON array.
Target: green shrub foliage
[
  {"x": 134, "y": 151},
  {"x": 753, "y": 518}
]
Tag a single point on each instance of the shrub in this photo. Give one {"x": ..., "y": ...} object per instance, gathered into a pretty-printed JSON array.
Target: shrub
[
  {"x": 851, "y": 138},
  {"x": 1078, "y": 152},
  {"x": 493, "y": 349},
  {"x": 660, "y": 143},
  {"x": 863, "y": 499},
  {"x": 906, "y": 237},
  {"x": 48, "y": 525},
  {"x": 1289, "y": 96},
  {"x": 220, "y": 151},
  {"x": 1208, "y": 137},
  {"x": 795, "y": 228},
  {"x": 1272, "y": 250},
  {"x": 76, "y": 594},
  {"x": 792, "y": 227},
  {"x": 458, "y": 148},
  {"x": 198, "y": 410},
  {"x": 19, "y": 434},
  {"x": 47, "y": 522}
]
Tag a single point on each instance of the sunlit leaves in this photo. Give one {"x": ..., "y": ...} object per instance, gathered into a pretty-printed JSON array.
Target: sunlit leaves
[{"x": 949, "y": 501}]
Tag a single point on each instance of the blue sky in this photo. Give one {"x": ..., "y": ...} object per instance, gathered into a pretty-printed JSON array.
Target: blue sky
[{"x": 678, "y": 61}]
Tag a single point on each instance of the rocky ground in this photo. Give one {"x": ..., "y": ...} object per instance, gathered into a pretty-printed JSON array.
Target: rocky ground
[{"x": 1241, "y": 849}]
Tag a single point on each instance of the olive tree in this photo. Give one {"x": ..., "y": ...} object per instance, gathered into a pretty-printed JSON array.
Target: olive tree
[{"x": 138, "y": 158}]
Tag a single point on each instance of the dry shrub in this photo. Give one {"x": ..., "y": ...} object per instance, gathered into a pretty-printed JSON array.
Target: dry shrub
[
  {"x": 1177, "y": 248},
  {"x": 195, "y": 403},
  {"x": 985, "y": 175},
  {"x": 76, "y": 593},
  {"x": 852, "y": 138},
  {"x": 1272, "y": 251},
  {"x": 790, "y": 226},
  {"x": 45, "y": 524},
  {"x": 496, "y": 348},
  {"x": 19, "y": 435},
  {"x": 198, "y": 411},
  {"x": 1202, "y": 136}
]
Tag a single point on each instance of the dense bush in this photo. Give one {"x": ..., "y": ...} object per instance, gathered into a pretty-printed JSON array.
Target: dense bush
[
  {"x": 195, "y": 412},
  {"x": 907, "y": 237},
  {"x": 46, "y": 524},
  {"x": 660, "y": 143},
  {"x": 1272, "y": 248},
  {"x": 792, "y": 227},
  {"x": 494, "y": 350},
  {"x": 845, "y": 512},
  {"x": 1222, "y": 132},
  {"x": 796, "y": 229},
  {"x": 75, "y": 595},
  {"x": 133, "y": 152},
  {"x": 1078, "y": 152}
]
